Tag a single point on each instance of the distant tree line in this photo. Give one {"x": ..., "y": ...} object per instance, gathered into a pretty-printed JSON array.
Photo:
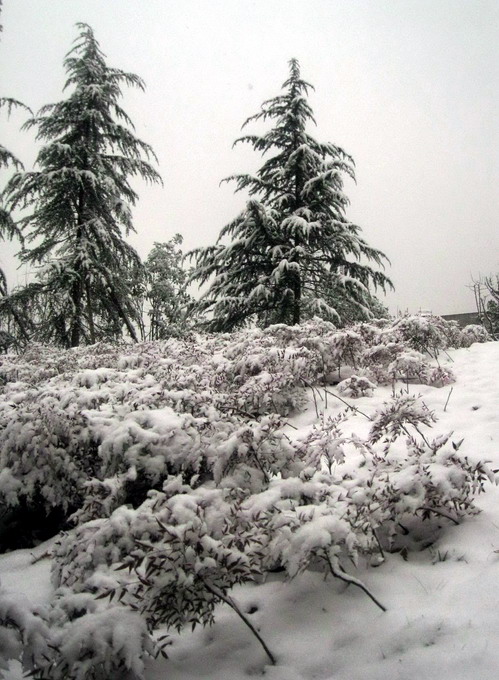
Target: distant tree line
[{"x": 290, "y": 255}]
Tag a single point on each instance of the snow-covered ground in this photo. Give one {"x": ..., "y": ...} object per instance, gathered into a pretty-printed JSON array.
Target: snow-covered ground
[{"x": 442, "y": 618}]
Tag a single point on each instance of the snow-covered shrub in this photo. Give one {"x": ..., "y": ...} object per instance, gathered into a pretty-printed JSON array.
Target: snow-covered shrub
[
  {"x": 396, "y": 416},
  {"x": 73, "y": 638},
  {"x": 88, "y": 428},
  {"x": 377, "y": 357},
  {"x": 441, "y": 376},
  {"x": 47, "y": 452},
  {"x": 324, "y": 445},
  {"x": 356, "y": 386},
  {"x": 428, "y": 477},
  {"x": 431, "y": 480},
  {"x": 422, "y": 332},
  {"x": 24, "y": 636},
  {"x": 336, "y": 500},
  {"x": 410, "y": 366},
  {"x": 474, "y": 333},
  {"x": 174, "y": 456},
  {"x": 90, "y": 643},
  {"x": 452, "y": 332},
  {"x": 247, "y": 459},
  {"x": 430, "y": 333}
]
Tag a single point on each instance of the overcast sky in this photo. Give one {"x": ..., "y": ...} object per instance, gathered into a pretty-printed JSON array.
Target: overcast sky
[{"x": 408, "y": 87}]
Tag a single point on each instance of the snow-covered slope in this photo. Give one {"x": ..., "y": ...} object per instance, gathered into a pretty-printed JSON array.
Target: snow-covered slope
[{"x": 442, "y": 618}]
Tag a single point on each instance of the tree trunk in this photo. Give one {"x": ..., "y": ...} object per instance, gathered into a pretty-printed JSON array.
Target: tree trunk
[
  {"x": 77, "y": 287},
  {"x": 18, "y": 320},
  {"x": 90, "y": 311},
  {"x": 121, "y": 312},
  {"x": 297, "y": 300},
  {"x": 76, "y": 297}
]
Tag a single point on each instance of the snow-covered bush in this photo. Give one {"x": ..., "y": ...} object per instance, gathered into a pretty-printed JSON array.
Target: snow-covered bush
[
  {"x": 94, "y": 643},
  {"x": 474, "y": 333},
  {"x": 428, "y": 333},
  {"x": 356, "y": 386},
  {"x": 173, "y": 460},
  {"x": 336, "y": 500},
  {"x": 410, "y": 366},
  {"x": 73, "y": 638},
  {"x": 24, "y": 635},
  {"x": 423, "y": 333},
  {"x": 100, "y": 413}
]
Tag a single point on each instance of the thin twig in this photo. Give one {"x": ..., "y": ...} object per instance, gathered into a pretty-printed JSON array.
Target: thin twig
[
  {"x": 228, "y": 600},
  {"x": 343, "y": 576},
  {"x": 422, "y": 436},
  {"x": 448, "y": 397},
  {"x": 315, "y": 403},
  {"x": 239, "y": 411},
  {"x": 403, "y": 427},
  {"x": 332, "y": 394},
  {"x": 382, "y": 552},
  {"x": 442, "y": 513},
  {"x": 40, "y": 557}
]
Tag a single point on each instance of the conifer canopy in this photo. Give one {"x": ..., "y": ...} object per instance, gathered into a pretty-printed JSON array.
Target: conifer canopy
[
  {"x": 80, "y": 199},
  {"x": 291, "y": 254}
]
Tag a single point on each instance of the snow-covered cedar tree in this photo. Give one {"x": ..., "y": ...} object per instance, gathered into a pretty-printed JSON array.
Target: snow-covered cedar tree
[
  {"x": 13, "y": 327},
  {"x": 81, "y": 200},
  {"x": 166, "y": 294},
  {"x": 291, "y": 254}
]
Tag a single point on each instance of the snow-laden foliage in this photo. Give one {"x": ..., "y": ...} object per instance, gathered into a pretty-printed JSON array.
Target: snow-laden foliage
[
  {"x": 342, "y": 498},
  {"x": 11, "y": 322},
  {"x": 166, "y": 297},
  {"x": 79, "y": 202},
  {"x": 73, "y": 638},
  {"x": 291, "y": 254},
  {"x": 127, "y": 417},
  {"x": 475, "y": 333},
  {"x": 176, "y": 473}
]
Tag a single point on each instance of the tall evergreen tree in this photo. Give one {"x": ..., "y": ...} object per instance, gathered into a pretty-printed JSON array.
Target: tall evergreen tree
[
  {"x": 292, "y": 253},
  {"x": 81, "y": 198},
  {"x": 8, "y": 227},
  {"x": 9, "y": 230}
]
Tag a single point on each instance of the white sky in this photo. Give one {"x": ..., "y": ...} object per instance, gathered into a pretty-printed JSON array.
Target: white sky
[{"x": 409, "y": 88}]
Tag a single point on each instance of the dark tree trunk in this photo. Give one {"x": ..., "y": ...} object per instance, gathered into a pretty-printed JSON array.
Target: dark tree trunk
[
  {"x": 297, "y": 300},
  {"x": 76, "y": 326},
  {"x": 90, "y": 312},
  {"x": 121, "y": 312}
]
